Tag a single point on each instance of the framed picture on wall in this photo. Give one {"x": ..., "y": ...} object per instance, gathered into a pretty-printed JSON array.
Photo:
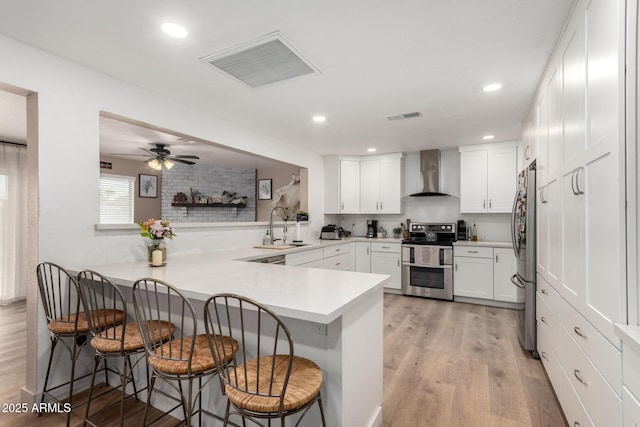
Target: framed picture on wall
[
  {"x": 264, "y": 189},
  {"x": 148, "y": 185}
]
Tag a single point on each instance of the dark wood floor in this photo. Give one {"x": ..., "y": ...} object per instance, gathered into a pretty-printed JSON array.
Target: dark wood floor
[{"x": 445, "y": 364}]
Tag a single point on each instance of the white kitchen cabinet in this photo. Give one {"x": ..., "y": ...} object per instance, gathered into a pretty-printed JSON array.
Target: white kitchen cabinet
[
  {"x": 363, "y": 257},
  {"x": 385, "y": 259},
  {"x": 527, "y": 151},
  {"x": 367, "y": 184},
  {"x": 631, "y": 409},
  {"x": 504, "y": 266},
  {"x": 473, "y": 272},
  {"x": 487, "y": 178},
  {"x": 342, "y": 185},
  {"x": 381, "y": 185}
]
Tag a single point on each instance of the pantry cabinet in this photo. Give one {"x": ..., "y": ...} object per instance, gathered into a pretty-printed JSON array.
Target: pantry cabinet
[
  {"x": 488, "y": 178},
  {"x": 580, "y": 215},
  {"x": 364, "y": 184}
]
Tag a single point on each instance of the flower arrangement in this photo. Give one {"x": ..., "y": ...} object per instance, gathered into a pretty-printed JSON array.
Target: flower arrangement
[{"x": 156, "y": 229}]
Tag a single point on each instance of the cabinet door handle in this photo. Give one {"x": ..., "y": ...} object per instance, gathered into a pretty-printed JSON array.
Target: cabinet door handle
[
  {"x": 473, "y": 252},
  {"x": 386, "y": 247},
  {"x": 526, "y": 152},
  {"x": 367, "y": 250},
  {"x": 544, "y": 320},
  {"x": 398, "y": 262},
  {"x": 542, "y": 199},
  {"x": 456, "y": 267},
  {"x": 489, "y": 203},
  {"x": 578, "y": 190},
  {"x": 484, "y": 203},
  {"x": 496, "y": 258},
  {"x": 380, "y": 205},
  {"x": 576, "y": 373},
  {"x": 544, "y": 355},
  {"x": 576, "y": 424},
  {"x": 338, "y": 250},
  {"x": 342, "y": 204},
  {"x": 544, "y": 291},
  {"x": 377, "y": 205},
  {"x": 573, "y": 182},
  {"x": 579, "y": 333}
]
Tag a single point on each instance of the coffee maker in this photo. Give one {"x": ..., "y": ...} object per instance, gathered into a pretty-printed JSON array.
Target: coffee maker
[
  {"x": 372, "y": 228},
  {"x": 462, "y": 230}
]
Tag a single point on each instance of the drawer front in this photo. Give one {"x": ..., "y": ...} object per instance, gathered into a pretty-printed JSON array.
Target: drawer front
[
  {"x": 473, "y": 251},
  {"x": 335, "y": 250},
  {"x": 337, "y": 262},
  {"x": 573, "y": 409},
  {"x": 550, "y": 296},
  {"x": 549, "y": 358},
  {"x": 303, "y": 257},
  {"x": 631, "y": 409},
  {"x": 602, "y": 353},
  {"x": 385, "y": 247},
  {"x": 313, "y": 264},
  {"x": 603, "y": 404},
  {"x": 548, "y": 323}
]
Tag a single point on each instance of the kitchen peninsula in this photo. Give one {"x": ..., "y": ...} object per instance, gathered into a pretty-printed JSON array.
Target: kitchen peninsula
[{"x": 335, "y": 318}]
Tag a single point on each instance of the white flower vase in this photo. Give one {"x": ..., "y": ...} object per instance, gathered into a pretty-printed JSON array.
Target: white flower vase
[{"x": 153, "y": 245}]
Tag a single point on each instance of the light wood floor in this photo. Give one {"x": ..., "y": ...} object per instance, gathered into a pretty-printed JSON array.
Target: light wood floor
[
  {"x": 445, "y": 364},
  {"x": 455, "y": 364}
]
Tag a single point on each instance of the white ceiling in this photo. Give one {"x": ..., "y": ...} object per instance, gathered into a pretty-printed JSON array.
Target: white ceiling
[{"x": 377, "y": 58}]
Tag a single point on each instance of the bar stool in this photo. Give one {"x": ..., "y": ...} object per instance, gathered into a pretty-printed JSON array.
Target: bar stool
[
  {"x": 65, "y": 320},
  {"x": 271, "y": 382},
  {"x": 183, "y": 357},
  {"x": 104, "y": 304}
]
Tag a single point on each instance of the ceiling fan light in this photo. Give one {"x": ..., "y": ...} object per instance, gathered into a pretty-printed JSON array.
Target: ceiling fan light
[
  {"x": 168, "y": 163},
  {"x": 155, "y": 164}
]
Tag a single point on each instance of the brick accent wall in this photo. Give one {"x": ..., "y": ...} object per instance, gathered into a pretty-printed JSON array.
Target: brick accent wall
[{"x": 210, "y": 182}]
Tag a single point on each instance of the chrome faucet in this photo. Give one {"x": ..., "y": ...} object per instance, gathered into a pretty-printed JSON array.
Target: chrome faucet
[{"x": 284, "y": 231}]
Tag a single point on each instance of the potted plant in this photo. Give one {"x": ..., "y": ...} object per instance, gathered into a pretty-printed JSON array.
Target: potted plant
[{"x": 396, "y": 232}]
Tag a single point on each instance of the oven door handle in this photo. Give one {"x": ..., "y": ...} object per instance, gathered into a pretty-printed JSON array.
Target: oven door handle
[{"x": 408, "y": 264}]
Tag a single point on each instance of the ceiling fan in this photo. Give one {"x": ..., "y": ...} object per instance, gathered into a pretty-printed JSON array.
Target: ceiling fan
[{"x": 160, "y": 156}]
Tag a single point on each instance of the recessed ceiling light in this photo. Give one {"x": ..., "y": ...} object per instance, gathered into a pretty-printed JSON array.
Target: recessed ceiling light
[
  {"x": 488, "y": 137},
  {"x": 174, "y": 30},
  {"x": 319, "y": 119},
  {"x": 371, "y": 150},
  {"x": 492, "y": 87}
]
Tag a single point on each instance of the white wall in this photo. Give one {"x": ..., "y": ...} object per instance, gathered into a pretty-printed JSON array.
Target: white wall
[{"x": 70, "y": 98}]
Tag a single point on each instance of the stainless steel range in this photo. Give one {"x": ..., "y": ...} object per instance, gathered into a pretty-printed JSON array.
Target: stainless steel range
[{"x": 427, "y": 260}]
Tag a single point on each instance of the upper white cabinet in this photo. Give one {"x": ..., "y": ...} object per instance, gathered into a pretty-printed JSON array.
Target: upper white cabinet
[
  {"x": 341, "y": 185},
  {"x": 381, "y": 185},
  {"x": 527, "y": 151},
  {"x": 487, "y": 178},
  {"x": 371, "y": 184}
]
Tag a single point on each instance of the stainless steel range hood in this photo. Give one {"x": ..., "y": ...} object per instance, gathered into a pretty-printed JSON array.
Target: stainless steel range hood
[{"x": 431, "y": 175}]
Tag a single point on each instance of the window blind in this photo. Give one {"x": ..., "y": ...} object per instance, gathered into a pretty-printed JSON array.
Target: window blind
[{"x": 116, "y": 199}]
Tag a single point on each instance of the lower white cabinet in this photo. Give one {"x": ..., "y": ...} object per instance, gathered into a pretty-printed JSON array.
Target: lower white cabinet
[
  {"x": 380, "y": 258},
  {"x": 473, "y": 272},
  {"x": 484, "y": 272},
  {"x": 631, "y": 409},
  {"x": 333, "y": 257},
  {"x": 504, "y": 266},
  {"x": 336, "y": 262}
]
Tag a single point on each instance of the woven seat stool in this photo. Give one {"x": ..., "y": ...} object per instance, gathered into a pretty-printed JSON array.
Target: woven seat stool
[
  {"x": 185, "y": 356},
  {"x": 67, "y": 324},
  {"x": 105, "y": 304},
  {"x": 271, "y": 382}
]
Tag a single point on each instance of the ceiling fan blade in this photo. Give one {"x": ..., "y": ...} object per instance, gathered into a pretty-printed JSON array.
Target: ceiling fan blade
[
  {"x": 127, "y": 154},
  {"x": 186, "y": 162},
  {"x": 180, "y": 156},
  {"x": 151, "y": 153}
]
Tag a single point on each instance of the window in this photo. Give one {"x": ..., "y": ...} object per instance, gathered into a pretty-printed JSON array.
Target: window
[{"x": 116, "y": 199}]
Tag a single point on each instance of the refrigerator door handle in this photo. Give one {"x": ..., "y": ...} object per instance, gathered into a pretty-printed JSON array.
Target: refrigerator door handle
[
  {"x": 516, "y": 281},
  {"x": 513, "y": 225}
]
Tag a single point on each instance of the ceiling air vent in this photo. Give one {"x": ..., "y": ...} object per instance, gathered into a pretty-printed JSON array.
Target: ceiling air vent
[
  {"x": 267, "y": 60},
  {"x": 404, "y": 116}
]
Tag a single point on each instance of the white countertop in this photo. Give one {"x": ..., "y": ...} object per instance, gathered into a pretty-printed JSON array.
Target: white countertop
[
  {"x": 494, "y": 244},
  {"x": 310, "y": 294},
  {"x": 630, "y": 336}
]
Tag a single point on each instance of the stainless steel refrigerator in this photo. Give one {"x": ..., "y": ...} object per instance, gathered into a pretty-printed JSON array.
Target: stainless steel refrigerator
[{"x": 523, "y": 236}]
